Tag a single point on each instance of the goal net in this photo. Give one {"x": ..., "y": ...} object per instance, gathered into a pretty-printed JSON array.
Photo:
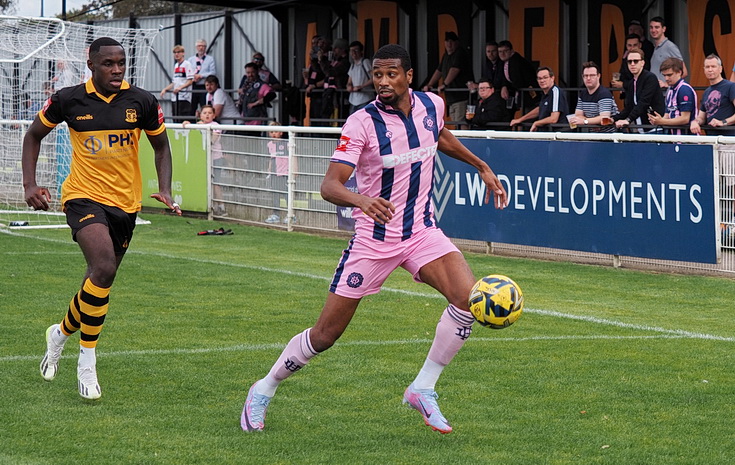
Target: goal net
[{"x": 39, "y": 56}]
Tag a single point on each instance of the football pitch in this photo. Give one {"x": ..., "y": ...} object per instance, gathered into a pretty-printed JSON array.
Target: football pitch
[{"x": 606, "y": 366}]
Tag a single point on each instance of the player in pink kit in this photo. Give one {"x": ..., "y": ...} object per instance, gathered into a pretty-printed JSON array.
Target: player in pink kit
[{"x": 391, "y": 144}]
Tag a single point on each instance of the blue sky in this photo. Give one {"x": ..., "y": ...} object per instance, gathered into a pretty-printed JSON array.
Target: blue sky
[{"x": 51, "y": 8}]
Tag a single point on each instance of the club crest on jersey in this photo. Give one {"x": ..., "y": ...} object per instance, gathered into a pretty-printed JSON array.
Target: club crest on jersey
[
  {"x": 131, "y": 116},
  {"x": 344, "y": 141},
  {"x": 429, "y": 123},
  {"x": 388, "y": 134},
  {"x": 354, "y": 280}
]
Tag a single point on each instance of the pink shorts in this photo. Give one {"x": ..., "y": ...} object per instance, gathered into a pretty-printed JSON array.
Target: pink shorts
[{"x": 367, "y": 263}]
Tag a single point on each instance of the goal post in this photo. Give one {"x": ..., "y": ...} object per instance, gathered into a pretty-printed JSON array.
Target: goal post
[{"x": 39, "y": 56}]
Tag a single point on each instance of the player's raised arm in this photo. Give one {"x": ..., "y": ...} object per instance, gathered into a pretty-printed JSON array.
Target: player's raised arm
[
  {"x": 162, "y": 152},
  {"x": 36, "y": 197},
  {"x": 450, "y": 145}
]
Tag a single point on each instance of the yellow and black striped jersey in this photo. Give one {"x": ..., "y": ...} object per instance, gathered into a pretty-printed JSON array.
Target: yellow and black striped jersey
[{"x": 104, "y": 136}]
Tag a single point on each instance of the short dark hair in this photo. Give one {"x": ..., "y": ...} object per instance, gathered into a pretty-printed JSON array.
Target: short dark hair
[
  {"x": 632, "y": 36},
  {"x": 212, "y": 78},
  {"x": 252, "y": 65},
  {"x": 590, "y": 64},
  {"x": 358, "y": 44},
  {"x": 505, "y": 43},
  {"x": 394, "y": 51},
  {"x": 545, "y": 68},
  {"x": 491, "y": 42},
  {"x": 94, "y": 47},
  {"x": 657, "y": 19}
]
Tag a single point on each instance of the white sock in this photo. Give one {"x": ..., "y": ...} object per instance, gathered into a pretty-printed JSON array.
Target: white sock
[
  {"x": 428, "y": 376},
  {"x": 58, "y": 337},
  {"x": 267, "y": 386},
  {"x": 87, "y": 357}
]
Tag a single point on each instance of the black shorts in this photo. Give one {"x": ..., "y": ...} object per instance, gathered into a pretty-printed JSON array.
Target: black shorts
[{"x": 83, "y": 212}]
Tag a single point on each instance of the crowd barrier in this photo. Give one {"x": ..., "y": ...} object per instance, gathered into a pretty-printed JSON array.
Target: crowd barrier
[{"x": 244, "y": 186}]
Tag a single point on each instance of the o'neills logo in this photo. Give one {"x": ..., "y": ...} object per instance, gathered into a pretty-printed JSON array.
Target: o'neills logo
[
  {"x": 85, "y": 117},
  {"x": 90, "y": 216}
]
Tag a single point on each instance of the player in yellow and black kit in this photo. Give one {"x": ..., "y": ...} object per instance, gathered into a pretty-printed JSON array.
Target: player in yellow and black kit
[{"x": 103, "y": 192}]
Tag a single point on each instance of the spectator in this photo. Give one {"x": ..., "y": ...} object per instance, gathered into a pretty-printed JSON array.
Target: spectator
[
  {"x": 255, "y": 95},
  {"x": 360, "y": 80},
  {"x": 552, "y": 105},
  {"x": 204, "y": 66},
  {"x": 641, "y": 93},
  {"x": 664, "y": 48},
  {"x": 595, "y": 102},
  {"x": 635, "y": 27},
  {"x": 183, "y": 78},
  {"x": 631, "y": 41},
  {"x": 490, "y": 109},
  {"x": 491, "y": 65},
  {"x": 315, "y": 77},
  {"x": 517, "y": 73},
  {"x": 681, "y": 101},
  {"x": 456, "y": 71},
  {"x": 225, "y": 110},
  {"x": 718, "y": 102},
  {"x": 732, "y": 74},
  {"x": 278, "y": 173},
  {"x": 265, "y": 74},
  {"x": 206, "y": 116},
  {"x": 335, "y": 69}
]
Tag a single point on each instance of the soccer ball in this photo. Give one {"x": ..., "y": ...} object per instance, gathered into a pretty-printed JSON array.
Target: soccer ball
[{"x": 496, "y": 301}]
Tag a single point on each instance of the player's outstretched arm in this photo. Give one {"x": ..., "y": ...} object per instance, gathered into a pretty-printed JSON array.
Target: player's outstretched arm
[
  {"x": 162, "y": 152},
  {"x": 450, "y": 145},
  {"x": 36, "y": 197},
  {"x": 333, "y": 190}
]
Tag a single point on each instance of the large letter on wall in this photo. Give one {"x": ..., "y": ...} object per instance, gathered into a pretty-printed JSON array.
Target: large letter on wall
[
  {"x": 534, "y": 31},
  {"x": 710, "y": 31},
  {"x": 377, "y": 24}
]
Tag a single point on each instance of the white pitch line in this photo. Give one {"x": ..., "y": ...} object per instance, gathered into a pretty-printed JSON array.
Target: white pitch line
[
  {"x": 433, "y": 295},
  {"x": 280, "y": 346}
]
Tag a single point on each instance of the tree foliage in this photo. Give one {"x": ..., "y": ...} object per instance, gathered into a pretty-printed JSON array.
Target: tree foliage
[{"x": 108, "y": 9}]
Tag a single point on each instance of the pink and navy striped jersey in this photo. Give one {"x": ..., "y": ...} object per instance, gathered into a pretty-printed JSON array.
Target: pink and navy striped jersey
[{"x": 393, "y": 156}]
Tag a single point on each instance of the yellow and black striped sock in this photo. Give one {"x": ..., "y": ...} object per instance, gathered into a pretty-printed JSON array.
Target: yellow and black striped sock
[{"x": 93, "y": 302}]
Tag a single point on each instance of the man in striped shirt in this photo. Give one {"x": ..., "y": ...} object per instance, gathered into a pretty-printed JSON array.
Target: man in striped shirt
[
  {"x": 553, "y": 104},
  {"x": 681, "y": 100},
  {"x": 595, "y": 104},
  {"x": 390, "y": 144}
]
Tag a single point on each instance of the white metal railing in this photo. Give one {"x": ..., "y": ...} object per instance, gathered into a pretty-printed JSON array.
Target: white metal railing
[{"x": 247, "y": 196}]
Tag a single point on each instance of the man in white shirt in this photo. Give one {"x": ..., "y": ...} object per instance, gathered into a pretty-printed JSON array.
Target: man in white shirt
[
  {"x": 180, "y": 87},
  {"x": 360, "y": 80},
  {"x": 204, "y": 66},
  {"x": 225, "y": 111}
]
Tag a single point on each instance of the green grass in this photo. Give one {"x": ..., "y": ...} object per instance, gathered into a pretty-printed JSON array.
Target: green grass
[{"x": 606, "y": 366}]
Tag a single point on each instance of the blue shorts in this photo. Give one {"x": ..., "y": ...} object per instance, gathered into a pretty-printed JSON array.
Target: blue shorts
[{"x": 367, "y": 263}]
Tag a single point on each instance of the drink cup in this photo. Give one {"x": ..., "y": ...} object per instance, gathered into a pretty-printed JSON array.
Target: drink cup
[
  {"x": 572, "y": 125},
  {"x": 616, "y": 76},
  {"x": 606, "y": 121},
  {"x": 509, "y": 103},
  {"x": 470, "y": 111}
]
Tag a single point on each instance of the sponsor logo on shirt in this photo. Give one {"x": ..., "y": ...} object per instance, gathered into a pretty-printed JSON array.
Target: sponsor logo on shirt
[
  {"x": 46, "y": 105},
  {"x": 160, "y": 115},
  {"x": 412, "y": 156},
  {"x": 344, "y": 141}
]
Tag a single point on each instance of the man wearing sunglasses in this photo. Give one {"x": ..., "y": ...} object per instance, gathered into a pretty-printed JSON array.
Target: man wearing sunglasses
[{"x": 641, "y": 93}]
